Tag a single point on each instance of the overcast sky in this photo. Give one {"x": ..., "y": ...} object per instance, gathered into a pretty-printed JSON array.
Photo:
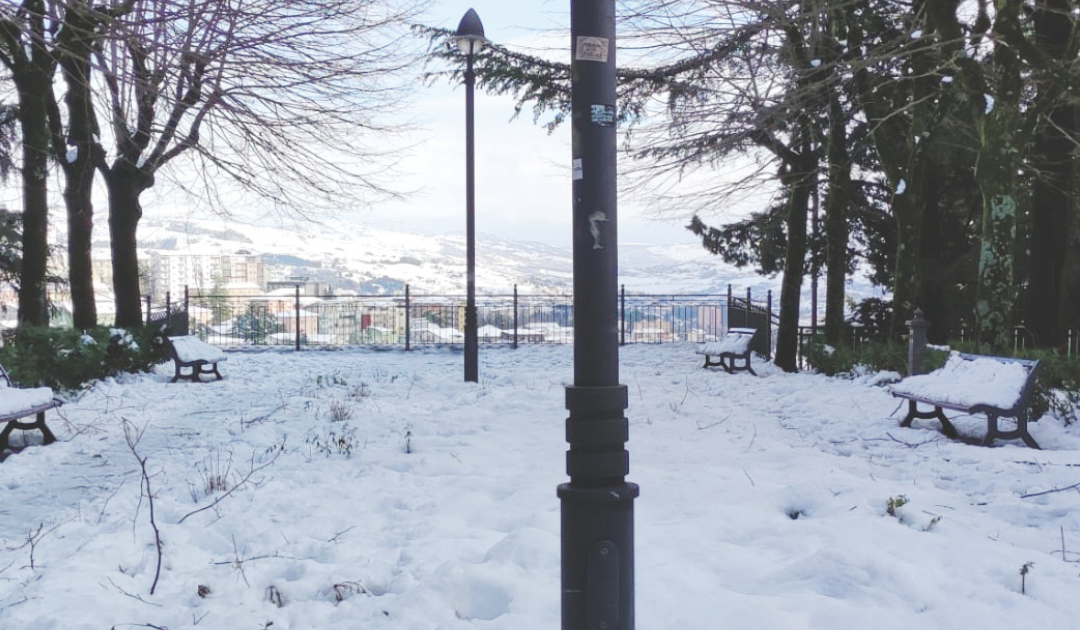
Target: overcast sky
[
  {"x": 523, "y": 178},
  {"x": 523, "y": 174}
]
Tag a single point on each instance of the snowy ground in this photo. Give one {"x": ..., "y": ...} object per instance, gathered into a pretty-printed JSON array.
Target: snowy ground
[{"x": 763, "y": 502}]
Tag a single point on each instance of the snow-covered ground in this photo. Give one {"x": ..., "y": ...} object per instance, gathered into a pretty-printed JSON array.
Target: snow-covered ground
[{"x": 363, "y": 489}]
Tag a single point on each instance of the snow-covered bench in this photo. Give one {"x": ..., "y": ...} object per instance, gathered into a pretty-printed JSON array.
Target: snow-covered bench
[
  {"x": 20, "y": 402},
  {"x": 189, "y": 351},
  {"x": 734, "y": 345},
  {"x": 996, "y": 386}
]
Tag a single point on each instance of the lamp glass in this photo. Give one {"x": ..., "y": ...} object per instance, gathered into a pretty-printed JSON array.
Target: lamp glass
[{"x": 470, "y": 44}]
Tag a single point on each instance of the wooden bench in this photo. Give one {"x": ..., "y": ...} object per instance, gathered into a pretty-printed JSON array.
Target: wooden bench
[
  {"x": 189, "y": 351},
  {"x": 996, "y": 386},
  {"x": 20, "y": 402},
  {"x": 735, "y": 345}
]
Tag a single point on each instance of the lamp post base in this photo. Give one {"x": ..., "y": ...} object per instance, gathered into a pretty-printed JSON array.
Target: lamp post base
[{"x": 598, "y": 556}]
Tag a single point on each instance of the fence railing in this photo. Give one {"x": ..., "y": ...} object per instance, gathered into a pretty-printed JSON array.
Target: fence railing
[{"x": 410, "y": 320}]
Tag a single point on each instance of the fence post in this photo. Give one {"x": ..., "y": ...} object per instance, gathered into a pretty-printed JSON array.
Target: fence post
[
  {"x": 746, "y": 313},
  {"x": 408, "y": 316},
  {"x": 726, "y": 324},
  {"x": 916, "y": 342},
  {"x": 768, "y": 325},
  {"x": 298, "y": 318},
  {"x": 148, "y": 309},
  {"x": 622, "y": 314},
  {"x": 514, "y": 345},
  {"x": 798, "y": 347}
]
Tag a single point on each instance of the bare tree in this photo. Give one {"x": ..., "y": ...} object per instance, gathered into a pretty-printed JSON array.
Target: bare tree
[
  {"x": 24, "y": 51},
  {"x": 283, "y": 99}
]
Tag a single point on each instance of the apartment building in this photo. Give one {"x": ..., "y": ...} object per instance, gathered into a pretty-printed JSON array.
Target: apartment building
[{"x": 206, "y": 273}]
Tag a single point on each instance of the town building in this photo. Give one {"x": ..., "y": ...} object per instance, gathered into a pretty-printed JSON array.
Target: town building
[{"x": 205, "y": 273}]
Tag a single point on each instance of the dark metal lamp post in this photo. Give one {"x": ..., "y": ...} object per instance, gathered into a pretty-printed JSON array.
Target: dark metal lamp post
[
  {"x": 469, "y": 39},
  {"x": 598, "y": 502}
]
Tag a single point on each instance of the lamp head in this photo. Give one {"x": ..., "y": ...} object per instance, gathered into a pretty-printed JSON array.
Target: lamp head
[{"x": 470, "y": 34}]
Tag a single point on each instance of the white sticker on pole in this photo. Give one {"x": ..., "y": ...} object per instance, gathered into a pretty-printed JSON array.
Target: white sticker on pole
[
  {"x": 592, "y": 49},
  {"x": 579, "y": 171},
  {"x": 596, "y": 221}
]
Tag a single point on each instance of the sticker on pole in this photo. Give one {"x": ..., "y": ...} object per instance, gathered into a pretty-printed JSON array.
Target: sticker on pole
[
  {"x": 596, "y": 221},
  {"x": 603, "y": 115},
  {"x": 592, "y": 49},
  {"x": 579, "y": 171}
]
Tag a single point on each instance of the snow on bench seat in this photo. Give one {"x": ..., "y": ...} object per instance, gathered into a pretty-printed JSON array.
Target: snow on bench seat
[
  {"x": 190, "y": 349},
  {"x": 967, "y": 381},
  {"x": 734, "y": 345},
  {"x": 995, "y": 386},
  {"x": 15, "y": 400}
]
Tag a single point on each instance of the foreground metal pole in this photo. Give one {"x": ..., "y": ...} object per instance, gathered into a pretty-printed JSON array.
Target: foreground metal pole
[
  {"x": 597, "y": 503},
  {"x": 472, "y": 370}
]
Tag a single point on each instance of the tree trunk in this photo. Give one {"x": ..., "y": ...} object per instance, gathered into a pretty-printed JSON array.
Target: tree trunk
[
  {"x": 836, "y": 220},
  {"x": 1069, "y": 314},
  {"x": 78, "y": 154},
  {"x": 34, "y": 86},
  {"x": 1051, "y": 204},
  {"x": 799, "y": 185},
  {"x": 80, "y": 220},
  {"x": 125, "y": 184},
  {"x": 1049, "y": 227},
  {"x": 935, "y": 254},
  {"x": 995, "y": 171}
]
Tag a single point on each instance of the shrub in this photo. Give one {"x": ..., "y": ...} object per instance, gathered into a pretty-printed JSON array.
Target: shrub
[
  {"x": 872, "y": 316},
  {"x": 67, "y": 359},
  {"x": 875, "y": 355},
  {"x": 1057, "y": 386},
  {"x": 826, "y": 359}
]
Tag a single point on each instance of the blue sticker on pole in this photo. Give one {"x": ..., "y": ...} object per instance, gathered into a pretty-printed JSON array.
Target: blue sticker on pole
[{"x": 603, "y": 115}]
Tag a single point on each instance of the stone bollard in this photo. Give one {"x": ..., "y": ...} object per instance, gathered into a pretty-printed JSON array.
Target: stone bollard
[{"x": 916, "y": 342}]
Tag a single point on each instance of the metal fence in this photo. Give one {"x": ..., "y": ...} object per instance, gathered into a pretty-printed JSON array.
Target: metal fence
[{"x": 409, "y": 320}]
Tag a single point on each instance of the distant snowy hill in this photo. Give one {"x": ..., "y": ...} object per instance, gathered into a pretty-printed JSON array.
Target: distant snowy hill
[
  {"x": 377, "y": 260},
  {"x": 370, "y": 259}
]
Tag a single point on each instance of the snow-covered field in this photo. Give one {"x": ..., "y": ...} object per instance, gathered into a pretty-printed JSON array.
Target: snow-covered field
[{"x": 362, "y": 489}]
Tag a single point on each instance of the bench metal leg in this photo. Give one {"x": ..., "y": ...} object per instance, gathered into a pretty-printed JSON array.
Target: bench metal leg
[
  {"x": 730, "y": 367},
  {"x": 196, "y": 370},
  {"x": 727, "y": 363},
  {"x": 1021, "y": 431},
  {"x": 39, "y": 424},
  {"x": 913, "y": 412}
]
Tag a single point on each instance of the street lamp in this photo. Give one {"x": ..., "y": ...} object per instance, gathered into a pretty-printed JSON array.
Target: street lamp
[
  {"x": 598, "y": 502},
  {"x": 469, "y": 39}
]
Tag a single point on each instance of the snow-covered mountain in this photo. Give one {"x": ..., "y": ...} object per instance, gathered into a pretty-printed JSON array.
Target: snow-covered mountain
[
  {"x": 370, "y": 259},
  {"x": 377, "y": 260}
]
